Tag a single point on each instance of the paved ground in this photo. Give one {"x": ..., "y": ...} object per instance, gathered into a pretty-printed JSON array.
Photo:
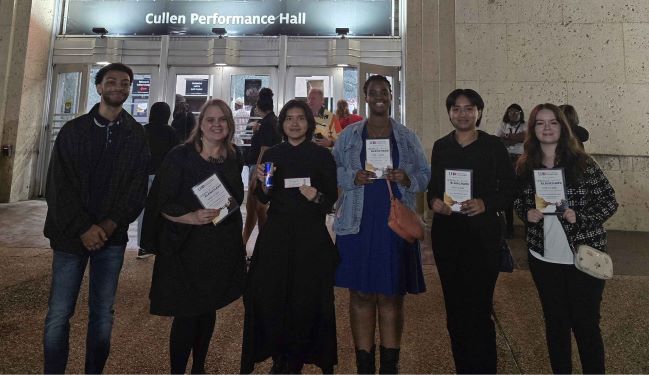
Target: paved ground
[{"x": 140, "y": 340}]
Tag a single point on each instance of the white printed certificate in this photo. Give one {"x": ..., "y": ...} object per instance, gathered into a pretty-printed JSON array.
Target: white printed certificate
[
  {"x": 550, "y": 186},
  {"x": 212, "y": 194},
  {"x": 457, "y": 187},
  {"x": 378, "y": 158}
]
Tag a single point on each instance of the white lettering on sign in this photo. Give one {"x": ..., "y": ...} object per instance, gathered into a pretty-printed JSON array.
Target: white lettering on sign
[
  {"x": 165, "y": 18},
  {"x": 218, "y": 19}
]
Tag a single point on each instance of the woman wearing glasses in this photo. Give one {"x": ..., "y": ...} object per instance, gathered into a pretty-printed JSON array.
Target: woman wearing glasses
[{"x": 512, "y": 133}]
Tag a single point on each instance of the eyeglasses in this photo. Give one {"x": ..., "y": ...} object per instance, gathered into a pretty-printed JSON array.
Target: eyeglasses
[
  {"x": 553, "y": 124},
  {"x": 514, "y": 111}
]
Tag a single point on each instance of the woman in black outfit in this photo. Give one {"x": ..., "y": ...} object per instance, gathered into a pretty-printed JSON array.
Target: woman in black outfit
[
  {"x": 466, "y": 244},
  {"x": 199, "y": 267},
  {"x": 183, "y": 119},
  {"x": 289, "y": 297},
  {"x": 265, "y": 136}
]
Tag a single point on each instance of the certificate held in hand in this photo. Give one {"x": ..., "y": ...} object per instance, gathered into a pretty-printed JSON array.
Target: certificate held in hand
[
  {"x": 550, "y": 186},
  {"x": 378, "y": 158},
  {"x": 212, "y": 194},
  {"x": 457, "y": 187}
]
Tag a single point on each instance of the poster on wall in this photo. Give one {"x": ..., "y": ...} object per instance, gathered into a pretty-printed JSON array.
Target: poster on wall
[
  {"x": 268, "y": 17},
  {"x": 252, "y": 87},
  {"x": 194, "y": 87}
]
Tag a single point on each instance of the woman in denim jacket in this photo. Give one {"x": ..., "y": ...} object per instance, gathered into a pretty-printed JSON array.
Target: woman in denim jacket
[{"x": 377, "y": 266}]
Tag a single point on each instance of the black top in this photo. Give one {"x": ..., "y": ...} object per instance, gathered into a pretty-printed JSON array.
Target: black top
[
  {"x": 492, "y": 181},
  {"x": 267, "y": 135},
  {"x": 198, "y": 268},
  {"x": 183, "y": 124},
  {"x": 162, "y": 138},
  {"x": 73, "y": 177},
  {"x": 304, "y": 160}
]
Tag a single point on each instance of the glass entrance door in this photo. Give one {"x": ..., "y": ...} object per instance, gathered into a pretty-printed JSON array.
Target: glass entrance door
[
  {"x": 300, "y": 79},
  {"x": 67, "y": 99}
]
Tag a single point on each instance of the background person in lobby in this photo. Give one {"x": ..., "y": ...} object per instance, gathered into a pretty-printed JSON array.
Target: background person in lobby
[
  {"x": 344, "y": 117},
  {"x": 512, "y": 133},
  {"x": 199, "y": 267},
  {"x": 466, "y": 244},
  {"x": 289, "y": 298},
  {"x": 96, "y": 185},
  {"x": 377, "y": 266},
  {"x": 578, "y": 131},
  {"x": 327, "y": 128},
  {"x": 162, "y": 138},
  {"x": 570, "y": 298},
  {"x": 183, "y": 119},
  {"x": 264, "y": 137}
]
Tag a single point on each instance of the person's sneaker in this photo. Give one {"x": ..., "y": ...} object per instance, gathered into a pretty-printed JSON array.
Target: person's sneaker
[{"x": 141, "y": 254}]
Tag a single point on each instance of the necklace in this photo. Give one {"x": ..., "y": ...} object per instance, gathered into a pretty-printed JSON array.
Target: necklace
[{"x": 217, "y": 160}]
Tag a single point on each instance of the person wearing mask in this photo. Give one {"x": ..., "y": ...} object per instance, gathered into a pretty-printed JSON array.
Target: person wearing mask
[
  {"x": 377, "y": 266},
  {"x": 578, "y": 131},
  {"x": 162, "y": 138},
  {"x": 344, "y": 117},
  {"x": 289, "y": 296},
  {"x": 199, "y": 266},
  {"x": 466, "y": 234},
  {"x": 96, "y": 186},
  {"x": 570, "y": 298},
  {"x": 327, "y": 127},
  {"x": 512, "y": 133},
  {"x": 264, "y": 137},
  {"x": 183, "y": 119}
]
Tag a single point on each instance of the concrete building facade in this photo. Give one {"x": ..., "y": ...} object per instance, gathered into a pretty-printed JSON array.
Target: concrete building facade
[{"x": 593, "y": 54}]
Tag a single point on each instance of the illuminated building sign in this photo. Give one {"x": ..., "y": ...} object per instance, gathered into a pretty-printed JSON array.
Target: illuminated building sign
[{"x": 247, "y": 17}]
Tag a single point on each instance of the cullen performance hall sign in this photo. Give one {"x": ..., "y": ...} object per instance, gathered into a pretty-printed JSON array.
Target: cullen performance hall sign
[{"x": 238, "y": 17}]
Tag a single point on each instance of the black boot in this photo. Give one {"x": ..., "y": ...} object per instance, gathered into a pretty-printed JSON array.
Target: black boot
[
  {"x": 294, "y": 366},
  {"x": 365, "y": 361},
  {"x": 389, "y": 361},
  {"x": 279, "y": 365}
]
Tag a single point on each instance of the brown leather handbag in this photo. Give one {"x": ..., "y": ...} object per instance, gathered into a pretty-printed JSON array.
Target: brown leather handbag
[{"x": 404, "y": 221}]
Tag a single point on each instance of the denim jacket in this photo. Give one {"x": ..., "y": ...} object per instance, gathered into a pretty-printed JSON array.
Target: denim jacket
[{"x": 347, "y": 152}]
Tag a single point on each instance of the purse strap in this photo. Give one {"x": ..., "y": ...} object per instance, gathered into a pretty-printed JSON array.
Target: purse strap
[{"x": 389, "y": 188}]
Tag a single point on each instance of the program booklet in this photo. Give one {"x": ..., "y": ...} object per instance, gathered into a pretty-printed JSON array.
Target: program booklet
[
  {"x": 378, "y": 158},
  {"x": 457, "y": 187},
  {"x": 213, "y": 194},
  {"x": 550, "y": 195}
]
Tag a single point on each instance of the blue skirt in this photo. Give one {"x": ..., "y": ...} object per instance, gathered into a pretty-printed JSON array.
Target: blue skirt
[{"x": 377, "y": 260}]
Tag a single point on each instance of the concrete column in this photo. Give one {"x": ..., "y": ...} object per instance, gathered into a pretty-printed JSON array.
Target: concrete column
[{"x": 25, "y": 34}]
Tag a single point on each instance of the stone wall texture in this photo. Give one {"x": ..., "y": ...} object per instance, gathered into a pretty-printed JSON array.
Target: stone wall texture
[{"x": 593, "y": 54}]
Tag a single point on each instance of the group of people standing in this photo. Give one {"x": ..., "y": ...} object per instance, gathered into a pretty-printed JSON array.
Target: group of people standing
[{"x": 97, "y": 185}]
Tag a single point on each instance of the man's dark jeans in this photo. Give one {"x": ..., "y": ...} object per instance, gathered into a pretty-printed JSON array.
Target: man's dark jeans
[{"x": 67, "y": 274}]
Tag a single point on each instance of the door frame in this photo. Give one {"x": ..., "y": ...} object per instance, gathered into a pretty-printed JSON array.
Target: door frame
[
  {"x": 336, "y": 74},
  {"x": 364, "y": 70}
]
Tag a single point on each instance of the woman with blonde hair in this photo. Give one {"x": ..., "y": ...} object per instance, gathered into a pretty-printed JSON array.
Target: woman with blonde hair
[
  {"x": 344, "y": 117},
  {"x": 199, "y": 267}
]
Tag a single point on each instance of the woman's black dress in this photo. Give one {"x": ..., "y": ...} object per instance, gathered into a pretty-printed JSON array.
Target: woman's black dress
[
  {"x": 197, "y": 269},
  {"x": 289, "y": 296}
]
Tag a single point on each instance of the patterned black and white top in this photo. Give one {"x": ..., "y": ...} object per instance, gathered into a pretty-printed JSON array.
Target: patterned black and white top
[{"x": 592, "y": 198}]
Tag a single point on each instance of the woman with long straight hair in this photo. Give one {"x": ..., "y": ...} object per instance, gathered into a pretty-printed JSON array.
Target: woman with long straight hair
[
  {"x": 570, "y": 298},
  {"x": 199, "y": 267},
  {"x": 377, "y": 266},
  {"x": 289, "y": 298}
]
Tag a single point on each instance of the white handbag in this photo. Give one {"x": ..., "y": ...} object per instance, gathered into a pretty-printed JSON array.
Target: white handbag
[{"x": 594, "y": 262}]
